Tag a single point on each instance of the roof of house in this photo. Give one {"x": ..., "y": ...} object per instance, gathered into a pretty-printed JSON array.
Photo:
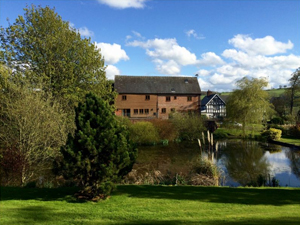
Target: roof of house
[
  {"x": 207, "y": 99},
  {"x": 156, "y": 85}
]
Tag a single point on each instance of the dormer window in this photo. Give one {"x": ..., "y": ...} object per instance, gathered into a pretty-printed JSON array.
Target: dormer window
[
  {"x": 172, "y": 89},
  {"x": 186, "y": 81}
]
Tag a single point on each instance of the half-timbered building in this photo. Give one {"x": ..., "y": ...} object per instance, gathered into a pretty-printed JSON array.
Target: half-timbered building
[
  {"x": 147, "y": 97},
  {"x": 213, "y": 106}
]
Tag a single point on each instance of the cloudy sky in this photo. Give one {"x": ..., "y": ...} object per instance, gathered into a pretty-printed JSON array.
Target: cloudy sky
[{"x": 221, "y": 41}]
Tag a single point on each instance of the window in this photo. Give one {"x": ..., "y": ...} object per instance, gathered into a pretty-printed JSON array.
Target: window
[
  {"x": 141, "y": 111},
  {"x": 173, "y": 110},
  {"x": 163, "y": 110},
  {"x": 175, "y": 97},
  {"x": 147, "y": 97},
  {"x": 146, "y": 111},
  {"x": 168, "y": 98},
  {"x": 124, "y": 97},
  {"x": 189, "y": 98},
  {"x": 135, "y": 111}
]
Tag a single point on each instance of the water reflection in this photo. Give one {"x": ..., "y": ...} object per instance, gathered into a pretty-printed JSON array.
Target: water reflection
[
  {"x": 246, "y": 164},
  {"x": 294, "y": 157},
  {"x": 243, "y": 162}
]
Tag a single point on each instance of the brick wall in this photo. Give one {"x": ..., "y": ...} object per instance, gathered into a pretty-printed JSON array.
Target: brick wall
[
  {"x": 176, "y": 103},
  {"x": 137, "y": 102},
  {"x": 158, "y": 106}
]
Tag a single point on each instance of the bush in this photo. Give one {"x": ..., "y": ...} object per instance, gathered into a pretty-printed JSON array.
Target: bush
[
  {"x": 272, "y": 134},
  {"x": 220, "y": 133},
  {"x": 166, "y": 129},
  {"x": 277, "y": 120},
  {"x": 143, "y": 133},
  {"x": 189, "y": 125}
]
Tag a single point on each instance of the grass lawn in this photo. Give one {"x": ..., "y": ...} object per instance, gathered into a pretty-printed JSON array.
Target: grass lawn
[
  {"x": 153, "y": 205},
  {"x": 290, "y": 141}
]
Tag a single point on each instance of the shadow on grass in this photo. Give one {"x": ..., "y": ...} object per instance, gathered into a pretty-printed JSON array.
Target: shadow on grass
[
  {"x": 42, "y": 194},
  {"x": 249, "y": 221},
  {"x": 248, "y": 196}
]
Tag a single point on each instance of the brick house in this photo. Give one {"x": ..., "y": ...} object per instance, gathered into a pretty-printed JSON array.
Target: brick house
[{"x": 147, "y": 97}]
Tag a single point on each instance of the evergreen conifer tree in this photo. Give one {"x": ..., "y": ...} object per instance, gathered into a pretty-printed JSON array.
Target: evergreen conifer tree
[{"x": 99, "y": 153}]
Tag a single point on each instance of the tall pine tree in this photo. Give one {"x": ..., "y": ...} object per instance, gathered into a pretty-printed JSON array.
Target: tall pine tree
[{"x": 100, "y": 152}]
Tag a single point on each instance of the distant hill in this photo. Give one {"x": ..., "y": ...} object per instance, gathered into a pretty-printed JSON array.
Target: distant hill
[{"x": 272, "y": 92}]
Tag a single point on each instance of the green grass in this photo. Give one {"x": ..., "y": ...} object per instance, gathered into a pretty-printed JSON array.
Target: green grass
[
  {"x": 153, "y": 205},
  {"x": 236, "y": 131},
  {"x": 292, "y": 141}
]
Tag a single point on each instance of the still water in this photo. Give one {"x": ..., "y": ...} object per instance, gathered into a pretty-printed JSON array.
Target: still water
[{"x": 240, "y": 161}]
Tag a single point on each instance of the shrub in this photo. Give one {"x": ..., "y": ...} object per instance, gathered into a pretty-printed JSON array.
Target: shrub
[
  {"x": 189, "y": 125},
  {"x": 220, "y": 133},
  {"x": 143, "y": 133},
  {"x": 272, "y": 134},
  {"x": 277, "y": 120},
  {"x": 166, "y": 129}
]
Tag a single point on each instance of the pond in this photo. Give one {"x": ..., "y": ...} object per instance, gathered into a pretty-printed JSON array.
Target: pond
[{"x": 240, "y": 162}]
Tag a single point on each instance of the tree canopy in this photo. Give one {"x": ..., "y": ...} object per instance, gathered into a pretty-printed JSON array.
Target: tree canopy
[
  {"x": 46, "y": 51},
  {"x": 250, "y": 103}
]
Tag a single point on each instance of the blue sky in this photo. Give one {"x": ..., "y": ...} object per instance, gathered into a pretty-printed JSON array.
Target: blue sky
[{"x": 221, "y": 41}]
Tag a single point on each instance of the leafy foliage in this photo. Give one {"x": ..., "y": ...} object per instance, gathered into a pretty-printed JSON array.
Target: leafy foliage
[
  {"x": 32, "y": 129},
  {"x": 293, "y": 92},
  {"x": 44, "y": 50},
  {"x": 190, "y": 126},
  {"x": 272, "y": 134},
  {"x": 100, "y": 152},
  {"x": 250, "y": 103},
  {"x": 143, "y": 133}
]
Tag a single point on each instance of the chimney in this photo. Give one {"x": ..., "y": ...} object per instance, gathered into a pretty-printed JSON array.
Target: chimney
[{"x": 209, "y": 93}]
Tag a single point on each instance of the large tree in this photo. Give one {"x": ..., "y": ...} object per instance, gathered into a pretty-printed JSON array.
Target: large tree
[
  {"x": 293, "y": 91},
  {"x": 46, "y": 51},
  {"x": 250, "y": 103},
  {"x": 100, "y": 151}
]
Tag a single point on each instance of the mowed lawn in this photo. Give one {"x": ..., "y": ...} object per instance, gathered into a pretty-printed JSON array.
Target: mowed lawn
[{"x": 153, "y": 205}]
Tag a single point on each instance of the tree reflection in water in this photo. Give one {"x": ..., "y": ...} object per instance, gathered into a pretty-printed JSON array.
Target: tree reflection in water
[
  {"x": 294, "y": 157},
  {"x": 246, "y": 163}
]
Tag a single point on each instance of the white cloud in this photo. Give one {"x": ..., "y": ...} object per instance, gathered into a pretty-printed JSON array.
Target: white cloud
[
  {"x": 170, "y": 67},
  {"x": 111, "y": 71},
  {"x": 193, "y": 33},
  {"x": 222, "y": 79},
  {"x": 112, "y": 53},
  {"x": 84, "y": 31},
  {"x": 260, "y": 46},
  {"x": 123, "y": 4},
  {"x": 232, "y": 70},
  {"x": 210, "y": 59},
  {"x": 203, "y": 72},
  {"x": 166, "y": 49}
]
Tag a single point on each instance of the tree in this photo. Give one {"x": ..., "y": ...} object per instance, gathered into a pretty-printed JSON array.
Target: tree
[
  {"x": 32, "y": 129},
  {"x": 295, "y": 87},
  {"x": 250, "y": 103},
  {"x": 100, "y": 152},
  {"x": 44, "y": 50}
]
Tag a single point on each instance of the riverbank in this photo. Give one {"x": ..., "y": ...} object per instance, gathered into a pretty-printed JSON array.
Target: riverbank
[
  {"x": 131, "y": 204},
  {"x": 289, "y": 142}
]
